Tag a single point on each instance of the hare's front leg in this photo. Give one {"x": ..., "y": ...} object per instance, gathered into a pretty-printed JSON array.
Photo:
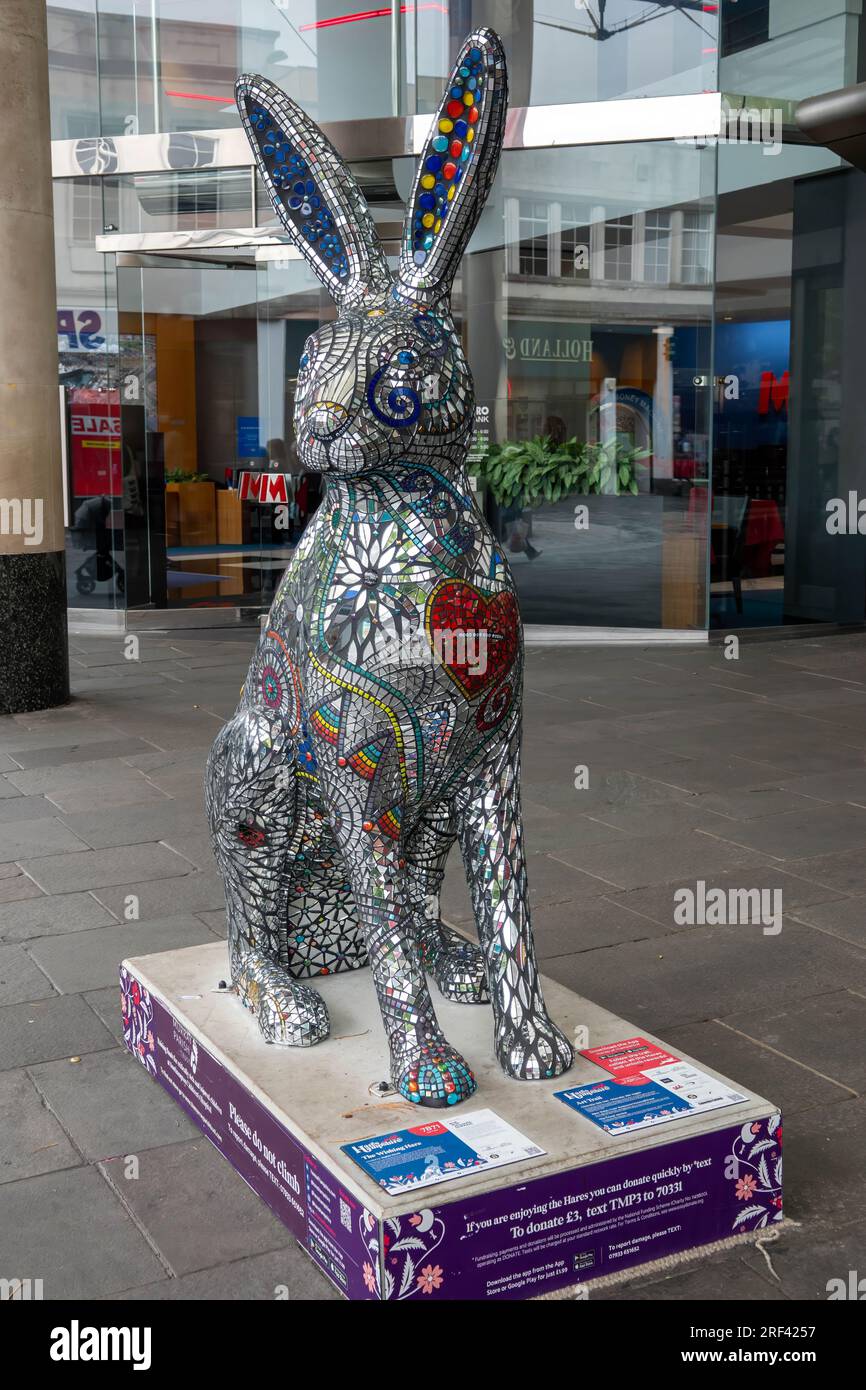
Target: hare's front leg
[
  {"x": 424, "y": 1067},
  {"x": 528, "y": 1044},
  {"x": 255, "y": 812},
  {"x": 457, "y": 965}
]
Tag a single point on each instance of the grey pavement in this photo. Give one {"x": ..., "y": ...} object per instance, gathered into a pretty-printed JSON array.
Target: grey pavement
[{"x": 645, "y": 770}]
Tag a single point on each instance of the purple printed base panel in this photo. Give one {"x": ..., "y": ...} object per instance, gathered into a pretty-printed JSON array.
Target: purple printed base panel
[{"x": 529, "y": 1188}]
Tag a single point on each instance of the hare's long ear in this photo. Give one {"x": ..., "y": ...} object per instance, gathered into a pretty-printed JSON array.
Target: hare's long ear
[
  {"x": 457, "y": 166},
  {"x": 313, "y": 192}
]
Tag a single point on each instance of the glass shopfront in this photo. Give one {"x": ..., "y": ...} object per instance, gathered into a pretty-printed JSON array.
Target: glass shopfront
[
  {"x": 656, "y": 324},
  {"x": 136, "y": 67}
]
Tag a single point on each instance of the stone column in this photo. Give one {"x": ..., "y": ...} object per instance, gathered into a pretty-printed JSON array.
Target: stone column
[{"x": 34, "y": 666}]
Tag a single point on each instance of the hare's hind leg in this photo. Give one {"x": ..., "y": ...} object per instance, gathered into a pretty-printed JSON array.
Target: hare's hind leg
[
  {"x": 457, "y": 965},
  {"x": 256, "y": 816},
  {"x": 528, "y": 1044}
]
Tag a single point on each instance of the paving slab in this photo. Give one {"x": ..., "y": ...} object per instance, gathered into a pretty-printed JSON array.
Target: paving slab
[
  {"x": 24, "y": 839},
  {"x": 610, "y": 789},
  {"x": 106, "y": 1105},
  {"x": 658, "y": 859},
  {"x": 214, "y": 921},
  {"x": 138, "y": 823},
  {"x": 103, "y": 868},
  {"x": 195, "y": 846},
  {"x": 105, "y": 1003},
  {"x": 283, "y": 1275},
  {"x": 813, "y": 1264},
  {"x": 841, "y": 873},
  {"x": 31, "y": 1140},
  {"x": 64, "y": 754},
  {"x": 843, "y": 917},
  {"x": 696, "y": 974},
  {"x": 800, "y": 834},
  {"x": 17, "y": 808},
  {"x": 90, "y": 959},
  {"x": 826, "y": 1032},
  {"x": 62, "y": 1026},
  {"x": 658, "y": 902},
  {"x": 16, "y": 886},
  {"x": 76, "y": 777},
  {"x": 196, "y": 892},
  {"x": 20, "y": 978},
  {"x": 125, "y": 791},
  {"x": 178, "y": 1185},
  {"x": 52, "y": 915},
  {"x": 70, "y": 1230},
  {"x": 794, "y": 1085},
  {"x": 567, "y": 928},
  {"x": 848, "y": 785},
  {"x": 825, "y": 1177}
]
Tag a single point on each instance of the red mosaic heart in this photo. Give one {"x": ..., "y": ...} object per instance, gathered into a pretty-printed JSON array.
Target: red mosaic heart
[{"x": 474, "y": 635}]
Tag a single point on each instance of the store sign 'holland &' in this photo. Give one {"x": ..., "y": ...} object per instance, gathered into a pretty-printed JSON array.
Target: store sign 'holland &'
[{"x": 548, "y": 347}]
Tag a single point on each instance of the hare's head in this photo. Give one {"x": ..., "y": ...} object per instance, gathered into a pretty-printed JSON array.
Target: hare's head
[{"x": 387, "y": 379}]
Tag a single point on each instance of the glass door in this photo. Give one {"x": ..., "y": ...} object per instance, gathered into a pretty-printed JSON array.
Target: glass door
[{"x": 214, "y": 502}]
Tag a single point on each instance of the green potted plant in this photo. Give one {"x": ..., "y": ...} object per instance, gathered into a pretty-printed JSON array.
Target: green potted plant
[{"x": 535, "y": 471}]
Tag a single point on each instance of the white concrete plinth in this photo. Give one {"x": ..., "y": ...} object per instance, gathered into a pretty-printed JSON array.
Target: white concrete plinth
[{"x": 592, "y": 1204}]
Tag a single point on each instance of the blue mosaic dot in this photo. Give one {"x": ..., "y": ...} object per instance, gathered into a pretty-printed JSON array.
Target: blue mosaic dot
[
  {"x": 433, "y": 164},
  {"x": 427, "y": 201},
  {"x": 440, "y": 144}
]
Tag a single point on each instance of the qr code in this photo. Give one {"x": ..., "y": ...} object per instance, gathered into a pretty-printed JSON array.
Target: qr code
[{"x": 345, "y": 1214}]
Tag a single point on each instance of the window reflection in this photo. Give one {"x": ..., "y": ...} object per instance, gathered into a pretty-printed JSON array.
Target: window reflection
[
  {"x": 127, "y": 67},
  {"x": 586, "y": 302}
]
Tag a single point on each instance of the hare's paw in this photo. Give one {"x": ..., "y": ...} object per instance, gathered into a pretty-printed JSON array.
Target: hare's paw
[
  {"x": 536, "y": 1051},
  {"x": 434, "y": 1075},
  {"x": 458, "y": 968},
  {"x": 288, "y": 1013}
]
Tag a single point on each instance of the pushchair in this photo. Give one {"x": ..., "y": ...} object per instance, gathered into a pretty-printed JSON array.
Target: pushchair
[{"x": 90, "y": 519}]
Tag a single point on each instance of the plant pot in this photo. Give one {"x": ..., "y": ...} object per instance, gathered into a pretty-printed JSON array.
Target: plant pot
[{"x": 196, "y": 513}]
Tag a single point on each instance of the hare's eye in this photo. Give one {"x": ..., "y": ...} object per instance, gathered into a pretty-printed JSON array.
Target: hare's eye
[
  {"x": 305, "y": 361},
  {"x": 405, "y": 358}
]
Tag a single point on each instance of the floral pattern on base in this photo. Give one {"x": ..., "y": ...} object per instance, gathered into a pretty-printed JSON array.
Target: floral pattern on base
[
  {"x": 136, "y": 1006},
  {"x": 754, "y": 1166},
  {"x": 407, "y": 1242}
]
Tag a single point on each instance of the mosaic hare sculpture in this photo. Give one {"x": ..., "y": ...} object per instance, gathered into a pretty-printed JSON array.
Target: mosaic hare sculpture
[{"x": 380, "y": 718}]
